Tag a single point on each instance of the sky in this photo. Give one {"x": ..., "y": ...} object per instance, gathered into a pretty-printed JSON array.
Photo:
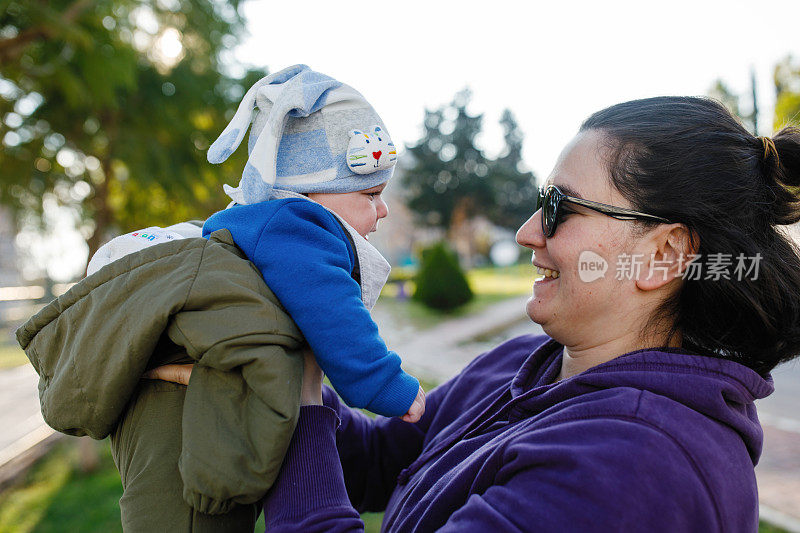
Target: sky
[{"x": 551, "y": 63}]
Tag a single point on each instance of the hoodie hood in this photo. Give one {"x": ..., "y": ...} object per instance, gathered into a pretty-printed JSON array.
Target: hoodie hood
[{"x": 719, "y": 389}]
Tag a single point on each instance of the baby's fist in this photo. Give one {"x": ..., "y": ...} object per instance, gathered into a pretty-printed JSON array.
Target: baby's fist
[{"x": 417, "y": 408}]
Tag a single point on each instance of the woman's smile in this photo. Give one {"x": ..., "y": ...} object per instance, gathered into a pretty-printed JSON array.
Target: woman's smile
[{"x": 548, "y": 273}]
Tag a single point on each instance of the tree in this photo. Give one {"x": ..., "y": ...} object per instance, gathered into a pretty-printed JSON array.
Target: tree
[
  {"x": 787, "y": 91},
  {"x": 109, "y": 107},
  {"x": 721, "y": 92},
  {"x": 514, "y": 189},
  {"x": 441, "y": 284},
  {"x": 448, "y": 184}
]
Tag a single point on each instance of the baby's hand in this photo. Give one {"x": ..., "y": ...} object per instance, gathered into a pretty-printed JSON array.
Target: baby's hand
[{"x": 417, "y": 408}]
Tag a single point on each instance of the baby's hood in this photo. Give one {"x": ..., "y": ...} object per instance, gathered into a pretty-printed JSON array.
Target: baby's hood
[{"x": 139, "y": 240}]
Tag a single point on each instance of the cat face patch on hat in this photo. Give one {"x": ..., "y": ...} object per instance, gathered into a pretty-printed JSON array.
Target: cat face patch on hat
[{"x": 368, "y": 152}]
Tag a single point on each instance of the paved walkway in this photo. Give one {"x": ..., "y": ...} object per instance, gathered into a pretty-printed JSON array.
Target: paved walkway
[
  {"x": 20, "y": 418},
  {"x": 441, "y": 352}
]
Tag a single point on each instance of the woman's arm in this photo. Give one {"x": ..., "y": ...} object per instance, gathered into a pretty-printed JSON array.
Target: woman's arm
[
  {"x": 317, "y": 482},
  {"x": 372, "y": 451},
  {"x": 309, "y": 494}
]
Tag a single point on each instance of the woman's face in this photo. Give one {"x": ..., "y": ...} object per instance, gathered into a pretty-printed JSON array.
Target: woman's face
[{"x": 574, "y": 308}]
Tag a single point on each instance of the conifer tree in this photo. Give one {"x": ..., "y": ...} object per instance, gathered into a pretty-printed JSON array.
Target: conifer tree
[
  {"x": 448, "y": 185},
  {"x": 514, "y": 188}
]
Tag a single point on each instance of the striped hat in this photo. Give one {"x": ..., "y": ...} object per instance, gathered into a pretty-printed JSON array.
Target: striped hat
[{"x": 310, "y": 133}]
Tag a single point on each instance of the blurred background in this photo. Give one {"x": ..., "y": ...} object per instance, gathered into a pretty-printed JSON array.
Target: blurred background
[{"x": 107, "y": 108}]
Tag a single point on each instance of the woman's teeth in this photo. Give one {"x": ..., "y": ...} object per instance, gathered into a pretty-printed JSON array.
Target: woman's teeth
[{"x": 546, "y": 272}]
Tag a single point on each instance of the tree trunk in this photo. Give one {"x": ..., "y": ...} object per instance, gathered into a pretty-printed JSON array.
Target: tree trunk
[
  {"x": 460, "y": 233},
  {"x": 102, "y": 211},
  {"x": 88, "y": 455}
]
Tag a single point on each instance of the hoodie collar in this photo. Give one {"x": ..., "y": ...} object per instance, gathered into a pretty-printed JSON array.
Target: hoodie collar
[
  {"x": 654, "y": 368},
  {"x": 718, "y": 388}
]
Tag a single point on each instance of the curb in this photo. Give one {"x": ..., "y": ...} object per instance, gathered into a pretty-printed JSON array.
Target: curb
[{"x": 38, "y": 443}]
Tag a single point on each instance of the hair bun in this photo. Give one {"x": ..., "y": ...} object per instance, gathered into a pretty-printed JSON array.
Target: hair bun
[{"x": 782, "y": 172}]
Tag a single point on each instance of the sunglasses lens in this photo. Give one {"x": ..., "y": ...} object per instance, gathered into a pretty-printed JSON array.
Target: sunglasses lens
[{"x": 549, "y": 210}]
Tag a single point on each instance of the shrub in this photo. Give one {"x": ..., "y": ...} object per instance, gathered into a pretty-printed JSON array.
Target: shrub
[{"x": 441, "y": 284}]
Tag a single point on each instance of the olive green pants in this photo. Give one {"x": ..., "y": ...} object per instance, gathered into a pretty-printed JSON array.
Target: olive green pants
[{"x": 146, "y": 446}]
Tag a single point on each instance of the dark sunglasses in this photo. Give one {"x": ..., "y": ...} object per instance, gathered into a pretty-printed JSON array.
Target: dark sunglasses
[{"x": 551, "y": 200}]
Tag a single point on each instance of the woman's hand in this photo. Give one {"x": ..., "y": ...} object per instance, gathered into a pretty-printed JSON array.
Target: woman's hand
[
  {"x": 174, "y": 373},
  {"x": 417, "y": 408},
  {"x": 312, "y": 380}
]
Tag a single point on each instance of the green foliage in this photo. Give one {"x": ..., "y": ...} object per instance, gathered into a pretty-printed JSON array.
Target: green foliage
[
  {"x": 452, "y": 181},
  {"x": 441, "y": 284},
  {"x": 110, "y": 107},
  {"x": 448, "y": 183},
  {"x": 787, "y": 89},
  {"x": 514, "y": 189},
  {"x": 57, "y": 496},
  {"x": 722, "y": 93}
]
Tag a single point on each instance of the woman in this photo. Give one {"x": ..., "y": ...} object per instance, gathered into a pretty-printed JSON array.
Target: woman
[{"x": 636, "y": 410}]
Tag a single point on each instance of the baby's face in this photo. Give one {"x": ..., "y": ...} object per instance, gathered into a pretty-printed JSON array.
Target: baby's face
[{"x": 361, "y": 209}]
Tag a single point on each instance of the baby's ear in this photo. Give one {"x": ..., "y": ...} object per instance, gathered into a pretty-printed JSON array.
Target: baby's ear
[{"x": 353, "y": 133}]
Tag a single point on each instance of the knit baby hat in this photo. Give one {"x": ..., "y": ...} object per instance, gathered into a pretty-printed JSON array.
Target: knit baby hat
[{"x": 310, "y": 133}]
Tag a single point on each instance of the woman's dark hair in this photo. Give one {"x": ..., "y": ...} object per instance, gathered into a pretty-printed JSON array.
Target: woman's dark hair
[{"x": 689, "y": 160}]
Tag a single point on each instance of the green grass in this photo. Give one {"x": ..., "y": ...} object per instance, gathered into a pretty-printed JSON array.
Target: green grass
[
  {"x": 421, "y": 317},
  {"x": 11, "y": 355},
  {"x": 490, "y": 285},
  {"x": 56, "y": 496},
  {"x": 513, "y": 280},
  {"x": 502, "y": 281},
  {"x": 764, "y": 527}
]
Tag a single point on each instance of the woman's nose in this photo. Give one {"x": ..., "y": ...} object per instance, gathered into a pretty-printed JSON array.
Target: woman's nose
[{"x": 530, "y": 233}]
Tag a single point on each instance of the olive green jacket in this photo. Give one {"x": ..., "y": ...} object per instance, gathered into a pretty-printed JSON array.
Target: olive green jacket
[{"x": 189, "y": 300}]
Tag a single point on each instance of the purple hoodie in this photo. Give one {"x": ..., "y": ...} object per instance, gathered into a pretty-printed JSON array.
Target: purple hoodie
[{"x": 653, "y": 440}]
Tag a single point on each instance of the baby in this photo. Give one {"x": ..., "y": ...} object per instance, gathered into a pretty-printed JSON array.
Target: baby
[
  {"x": 310, "y": 194},
  {"x": 319, "y": 159}
]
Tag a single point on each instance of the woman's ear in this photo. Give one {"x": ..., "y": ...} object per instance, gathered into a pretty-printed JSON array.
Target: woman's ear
[{"x": 671, "y": 247}]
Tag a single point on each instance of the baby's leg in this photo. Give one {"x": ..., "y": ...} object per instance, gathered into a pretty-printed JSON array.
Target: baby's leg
[{"x": 146, "y": 446}]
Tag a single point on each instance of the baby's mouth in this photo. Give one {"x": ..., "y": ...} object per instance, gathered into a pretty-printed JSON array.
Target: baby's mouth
[{"x": 546, "y": 272}]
